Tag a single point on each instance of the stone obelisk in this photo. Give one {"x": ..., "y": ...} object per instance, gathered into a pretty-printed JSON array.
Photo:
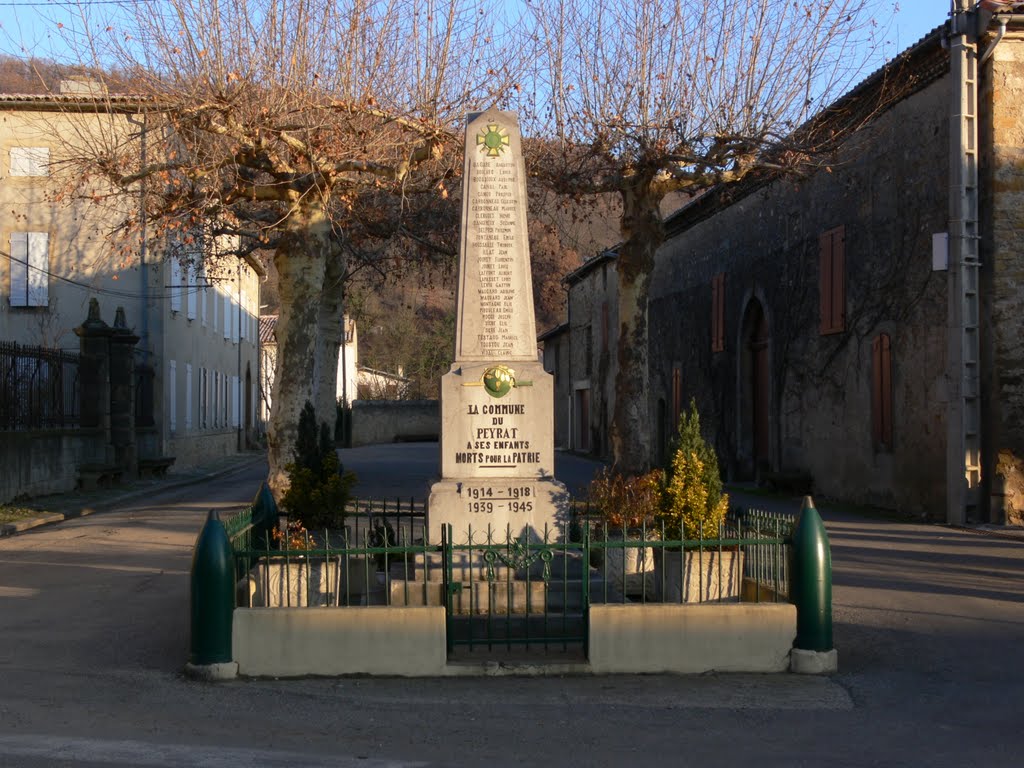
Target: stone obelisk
[{"x": 497, "y": 401}]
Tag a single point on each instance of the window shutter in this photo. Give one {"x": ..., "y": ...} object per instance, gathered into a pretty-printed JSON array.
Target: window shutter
[
  {"x": 604, "y": 325},
  {"x": 172, "y": 394},
  {"x": 30, "y": 161},
  {"x": 677, "y": 395},
  {"x": 235, "y": 401},
  {"x": 718, "y": 312},
  {"x": 881, "y": 391},
  {"x": 175, "y": 284},
  {"x": 227, "y": 316},
  {"x": 38, "y": 269},
  {"x": 188, "y": 397},
  {"x": 190, "y": 299},
  {"x": 832, "y": 284},
  {"x": 19, "y": 269},
  {"x": 825, "y": 282},
  {"x": 244, "y": 312},
  {"x": 838, "y": 279},
  {"x": 202, "y": 296}
]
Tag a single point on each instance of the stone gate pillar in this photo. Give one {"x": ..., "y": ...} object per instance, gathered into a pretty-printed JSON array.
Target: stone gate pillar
[
  {"x": 94, "y": 371},
  {"x": 122, "y": 394}
]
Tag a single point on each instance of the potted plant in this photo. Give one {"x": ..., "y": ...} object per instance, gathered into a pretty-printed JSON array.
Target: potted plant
[
  {"x": 626, "y": 506},
  {"x": 693, "y": 510}
]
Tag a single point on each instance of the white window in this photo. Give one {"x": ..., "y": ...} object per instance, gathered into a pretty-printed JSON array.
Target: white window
[
  {"x": 203, "y": 296},
  {"x": 30, "y": 269},
  {"x": 204, "y": 393},
  {"x": 215, "y": 400},
  {"x": 30, "y": 161},
  {"x": 172, "y": 393},
  {"x": 224, "y": 400},
  {"x": 235, "y": 400},
  {"x": 191, "y": 298},
  {"x": 234, "y": 322},
  {"x": 227, "y": 316},
  {"x": 188, "y": 397},
  {"x": 243, "y": 310},
  {"x": 175, "y": 285}
]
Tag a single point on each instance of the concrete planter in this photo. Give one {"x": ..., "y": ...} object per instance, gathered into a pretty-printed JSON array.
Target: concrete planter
[
  {"x": 301, "y": 582},
  {"x": 630, "y": 569},
  {"x": 697, "y": 577}
]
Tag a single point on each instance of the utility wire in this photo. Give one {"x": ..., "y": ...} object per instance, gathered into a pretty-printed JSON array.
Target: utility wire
[{"x": 183, "y": 290}]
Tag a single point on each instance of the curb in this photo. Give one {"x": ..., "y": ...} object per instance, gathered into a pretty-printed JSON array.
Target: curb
[{"x": 52, "y": 518}]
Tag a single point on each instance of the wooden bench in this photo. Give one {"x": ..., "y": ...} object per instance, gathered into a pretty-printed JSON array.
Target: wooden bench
[
  {"x": 93, "y": 476},
  {"x": 155, "y": 467}
]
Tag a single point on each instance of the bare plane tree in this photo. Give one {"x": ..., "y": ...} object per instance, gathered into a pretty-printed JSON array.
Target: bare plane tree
[
  {"x": 272, "y": 124},
  {"x": 651, "y": 97}
]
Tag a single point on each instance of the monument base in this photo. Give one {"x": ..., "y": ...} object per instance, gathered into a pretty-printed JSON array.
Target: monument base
[{"x": 513, "y": 505}]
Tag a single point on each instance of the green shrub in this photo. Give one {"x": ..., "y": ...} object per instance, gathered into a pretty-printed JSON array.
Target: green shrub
[
  {"x": 319, "y": 486},
  {"x": 693, "y": 505}
]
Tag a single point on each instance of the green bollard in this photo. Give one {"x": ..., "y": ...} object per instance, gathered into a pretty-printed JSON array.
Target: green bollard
[
  {"x": 265, "y": 515},
  {"x": 212, "y": 603},
  {"x": 812, "y": 590}
]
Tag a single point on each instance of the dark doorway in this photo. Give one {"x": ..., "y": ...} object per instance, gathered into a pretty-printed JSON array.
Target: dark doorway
[{"x": 755, "y": 392}]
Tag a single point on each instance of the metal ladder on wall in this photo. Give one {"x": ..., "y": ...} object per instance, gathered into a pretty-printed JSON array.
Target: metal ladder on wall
[{"x": 964, "y": 450}]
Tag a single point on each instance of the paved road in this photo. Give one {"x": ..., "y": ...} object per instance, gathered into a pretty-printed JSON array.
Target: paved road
[{"x": 93, "y": 634}]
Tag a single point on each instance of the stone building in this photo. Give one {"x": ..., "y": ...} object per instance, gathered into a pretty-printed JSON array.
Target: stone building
[
  {"x": 861, "y": 327},
  {"x": 192, "y": 306}
]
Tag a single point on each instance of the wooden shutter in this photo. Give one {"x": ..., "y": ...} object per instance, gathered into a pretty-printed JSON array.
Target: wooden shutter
[
  {"x": 19, "y": 269},
  {"x": 718, "y": 313},
  {"x": 38, "y": 269},
  {"x": 832, "y": 280},
  {"x": 881, "y": 391},
  {"x": 175, "y": 284},
  {"x": 677, "y": 395}
]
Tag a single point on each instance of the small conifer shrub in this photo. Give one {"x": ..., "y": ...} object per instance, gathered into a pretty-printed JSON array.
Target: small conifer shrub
[
  {"x": 319, "y": 487},
  {"x": 693, "y": 505}
]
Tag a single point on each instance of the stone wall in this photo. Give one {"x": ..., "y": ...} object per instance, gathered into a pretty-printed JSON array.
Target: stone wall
[
  {"x": 41, "y": 462},
  {"x": 888, "y": 190},
  {"x": 1002, "y": 260},
  {"x": 390, "y": 421},
  {"x": 593, "y": 308}
]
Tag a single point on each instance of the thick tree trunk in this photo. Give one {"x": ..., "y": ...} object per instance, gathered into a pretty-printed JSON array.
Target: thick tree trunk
[
  {"x": 300, "y": 260},
  {"x": 330, "y": 337},
  {"x": 642, "y": 234}
]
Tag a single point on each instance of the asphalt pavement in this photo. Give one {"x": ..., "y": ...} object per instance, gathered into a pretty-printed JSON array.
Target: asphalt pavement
[{"x": 929, "y": 622}]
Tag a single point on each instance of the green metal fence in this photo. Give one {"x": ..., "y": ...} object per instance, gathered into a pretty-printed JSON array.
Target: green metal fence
[
  {"x": 513, "y": 592},
  {"x": 503, "y": 592}
]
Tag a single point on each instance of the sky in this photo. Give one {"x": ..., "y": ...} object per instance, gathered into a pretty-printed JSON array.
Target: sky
[{"x": 30, "y": 25}]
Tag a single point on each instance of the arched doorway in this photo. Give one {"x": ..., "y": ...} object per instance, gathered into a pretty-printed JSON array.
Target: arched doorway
[{"x": 755, "y": 392}]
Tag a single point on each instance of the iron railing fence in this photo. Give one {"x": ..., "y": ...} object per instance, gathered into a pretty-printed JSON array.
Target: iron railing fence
[
  {"x": 507, "y": 592},
  {"x": 746, "y": 559},
  {"x": 381, "y": 557},
  {"x": 38, "y": 388},
  {"x": 334, "y": 567},
  {"x": 382, "y": 518}
]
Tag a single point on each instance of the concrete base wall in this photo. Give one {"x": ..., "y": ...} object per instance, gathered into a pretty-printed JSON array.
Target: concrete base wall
[
  {"x": 289, "y": 642},
  {"x": 37, "y": 463},
  {"x": 390, "y": 421},
  {"x": 739, "y": 637}
]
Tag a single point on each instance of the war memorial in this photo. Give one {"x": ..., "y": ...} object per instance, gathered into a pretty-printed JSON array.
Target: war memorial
[{"x": 497, "y": 401}]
